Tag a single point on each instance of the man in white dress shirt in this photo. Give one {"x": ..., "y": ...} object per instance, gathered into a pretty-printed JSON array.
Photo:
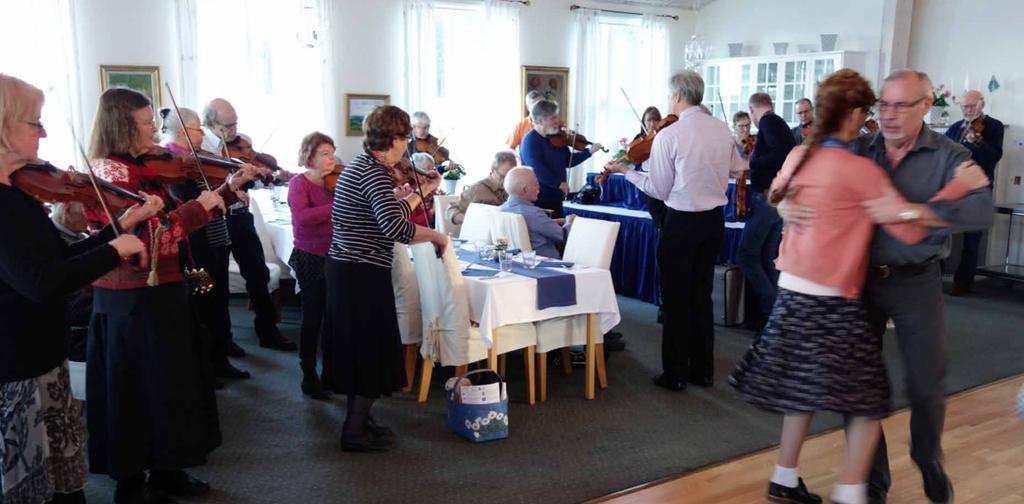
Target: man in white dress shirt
[{"x": 689, "y": 170}]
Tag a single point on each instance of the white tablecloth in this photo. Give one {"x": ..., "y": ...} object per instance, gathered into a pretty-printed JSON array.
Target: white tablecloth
[
  {"x": 277, "y": 221},
  {"x": 512, "y": 299}
]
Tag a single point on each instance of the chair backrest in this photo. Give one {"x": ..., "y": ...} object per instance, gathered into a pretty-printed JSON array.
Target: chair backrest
[
  {"x": 591, "y": 242},
  {"x": 441, "y": 222},
  {"x": 512, "y": 227},
  {"x": 407, "y": 296},
  {"x": 446, "y": 328},
  {"x": 476, "y": 225}
]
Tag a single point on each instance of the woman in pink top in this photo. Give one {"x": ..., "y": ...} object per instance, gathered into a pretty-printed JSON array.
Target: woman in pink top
[
  {"x": 310, "y": 203},
  {"x": 818, "y": 352}
]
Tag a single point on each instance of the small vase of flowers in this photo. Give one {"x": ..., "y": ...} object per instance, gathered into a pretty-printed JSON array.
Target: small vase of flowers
[
  {"x": 451, "y": 177},
  {"x": 941, "y": 98}
]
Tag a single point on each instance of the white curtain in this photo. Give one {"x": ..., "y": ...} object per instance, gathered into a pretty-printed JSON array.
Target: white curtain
[
  {"x": 584, "y": 101},
  {"x": 325, "y": 39},
  {"x": 38, "y": 38},
  {"x": 654, "y": 60},
  {"x": 501, "y": 67},
  {"x": 185, "y": 14},
  {"x": 420, "y": 54}
]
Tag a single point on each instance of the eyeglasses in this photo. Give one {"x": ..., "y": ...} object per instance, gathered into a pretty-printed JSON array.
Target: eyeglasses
[
  {"x": 899, "y": 107},
  {"x": 742, "y": 125},
  {"x": 36, "y": 124}
]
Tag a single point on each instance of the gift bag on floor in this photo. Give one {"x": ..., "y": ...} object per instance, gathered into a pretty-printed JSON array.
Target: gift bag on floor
[{"x": 478, "y": 407}]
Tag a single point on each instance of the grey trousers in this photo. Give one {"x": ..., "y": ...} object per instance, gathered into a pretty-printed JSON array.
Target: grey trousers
[{"x": 913, "y": 300}]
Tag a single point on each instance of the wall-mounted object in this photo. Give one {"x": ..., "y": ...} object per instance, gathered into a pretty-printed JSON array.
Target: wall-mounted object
[
  {"x": 357, "y": 107},
  {"x": 144, "y": 79}
]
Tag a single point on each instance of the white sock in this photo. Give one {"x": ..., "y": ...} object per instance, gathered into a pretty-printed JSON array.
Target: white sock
[
  {"x": 786, "y": 476},
  {"x": 851, "y": 494}
]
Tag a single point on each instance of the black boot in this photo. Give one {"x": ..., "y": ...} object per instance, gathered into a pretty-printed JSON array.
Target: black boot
[
  {"x": 311, "y": 385},
  {"x": 272, "y": 338},
  {"x": 355, "y": 434}
]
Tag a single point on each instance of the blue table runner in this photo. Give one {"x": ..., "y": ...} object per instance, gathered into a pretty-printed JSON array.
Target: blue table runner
[{"x": 554, "y": 288}]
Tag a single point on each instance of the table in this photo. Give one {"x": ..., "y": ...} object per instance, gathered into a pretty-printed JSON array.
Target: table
[
  {"x": 616, "y": 191},
  {"x": 1007, "y": 270},
  {"x": 276, "y": 225},
  {"x": 634, "y": 261},
  {"x": 512, "y": 299}
]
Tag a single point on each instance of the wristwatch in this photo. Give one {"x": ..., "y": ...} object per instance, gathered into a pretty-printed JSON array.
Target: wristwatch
[{"x": 909, "y": 215}]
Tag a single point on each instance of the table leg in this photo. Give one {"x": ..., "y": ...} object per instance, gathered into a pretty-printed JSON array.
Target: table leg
[
  {"x": 602, "y": 375},
  {"x": 428, "y": 370},
  {"x": 591, "y": 363},
  {"x": 542, "y": 369},
  {"x": 529, "y": 374},
  {"x": 492, "y": 353}
]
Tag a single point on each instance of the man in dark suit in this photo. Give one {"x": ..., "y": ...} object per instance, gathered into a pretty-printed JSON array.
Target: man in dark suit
[
  {"x": 759, "y": 245},
  {"x": 984, "y": 138}
]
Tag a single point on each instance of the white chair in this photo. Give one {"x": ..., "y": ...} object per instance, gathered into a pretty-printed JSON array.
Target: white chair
[
  {"x": 512, "y": 227},
  {"x": 476, "y": 225},
  {"x": 236, "y": 283},
  {"x": 590, "y": 243},
  {"x": 407, "y": 308},
  {"x": 448, "y": 335},
  {"x": 441, "y": 222},
  {"x": 76, "y": 373}
]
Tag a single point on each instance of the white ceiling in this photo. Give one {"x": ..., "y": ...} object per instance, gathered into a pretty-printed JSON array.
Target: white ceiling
[{"x": 678, "y": 4}]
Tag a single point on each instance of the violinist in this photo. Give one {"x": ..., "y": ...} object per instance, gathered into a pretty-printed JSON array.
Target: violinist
[
  {"x": 207, "y": 247},
  {"x": 310, "y": 202},
  {"x": 408, "y": 177},
  {"x": 422, "y": 141},
  {"x": 549, "y": 162},
  {"x": 983, "y": 136},
  {"x": 744, "y": 140},
  {"x": 690, "y": 164},
  {"x": 805, "y": 115},
  {"x": 515, "y": 137},
  {"x": 146, "y": 362},
  {"x": 45, "y": 463},
  {"x": 655, "y": 206},
  {"x": 221, "y": 123}
]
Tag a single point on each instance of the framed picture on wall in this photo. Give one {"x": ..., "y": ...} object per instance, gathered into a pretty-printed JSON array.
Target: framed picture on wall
[
  {"x": 552, "y": 82},
  {"x": 144, "y": 79},
  {"x": 357, "y": 106}
]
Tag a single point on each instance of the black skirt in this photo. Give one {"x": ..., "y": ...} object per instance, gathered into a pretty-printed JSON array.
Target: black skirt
[
  {"x": 151, "y": 402},
  {"x": 365, "y": 345},
  {"x": 817, "y": 353}
]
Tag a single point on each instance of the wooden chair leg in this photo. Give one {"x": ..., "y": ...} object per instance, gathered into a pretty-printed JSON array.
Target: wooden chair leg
[
  {"x": 542, "y": 370},
  {"x": 566, "y": 361},
  {"x": 529, "y": 374},
  {"x": 588, "y": 391},
  {"x": 428, "y": 370},
  {"x": 502, "y": 367},
  {"x": 602, "y": 375},
  {"x": 410, "y": 367}
]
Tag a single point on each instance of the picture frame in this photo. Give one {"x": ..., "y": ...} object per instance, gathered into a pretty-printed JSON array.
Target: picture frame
[
  {"x": 553, "y": 82},
  {"x": 144, "y": 79},
  {"x": 357, "y": 106}
]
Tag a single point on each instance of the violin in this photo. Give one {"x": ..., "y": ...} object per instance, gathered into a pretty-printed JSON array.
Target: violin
[
  {"x": 331, "y": 179},
  {"x": 639, "y": 150},
  {"x": 748, "y": 145},
  {"x": 740, "y": 211},
  {"x": 870, "y": 126},
  {"x": 242, "y": 150},
  {"x": 566, "y": 138},
  {"x": 167, "y": 168},
  {"x": 49, "y": 184},
  {"x": 431, "y": 146},
  {"x": 972, "y": 130}
]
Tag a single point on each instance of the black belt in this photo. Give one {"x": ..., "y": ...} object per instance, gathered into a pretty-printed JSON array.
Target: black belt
[
  {"x": 238, "y": 211},
  {"x": 888, "y": 270}
]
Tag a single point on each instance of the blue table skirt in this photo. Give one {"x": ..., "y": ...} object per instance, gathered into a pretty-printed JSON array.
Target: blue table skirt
[
  {"x": 618, "y": 192},
  {"x": 634, "y": 262}
]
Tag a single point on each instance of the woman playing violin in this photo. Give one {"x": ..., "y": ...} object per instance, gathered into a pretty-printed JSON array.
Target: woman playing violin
[
  {"x": 145, "y": 354},
  {"x": 744, "y": 140},
  {"x": 310, "y": 203},
  {"x": 37, "y": 271},
  {"x": 410, "y": 176},
  {"x": 422, "y": 141},
  {"x": 207, "y": 248},
  {"x": 549, "y": 162},
  {"x": 655, "y": 206}
]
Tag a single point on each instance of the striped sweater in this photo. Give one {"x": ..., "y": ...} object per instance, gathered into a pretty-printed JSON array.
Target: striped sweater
[{"x": 366, "y": 219}]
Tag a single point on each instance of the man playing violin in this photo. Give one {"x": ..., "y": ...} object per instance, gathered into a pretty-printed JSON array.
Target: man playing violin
[
  {"x": 804, "y": 114},
  {"x": 550, "y": 163},
  {"x": 983, "y": 136},
  {"x": 221, "y": 122}
]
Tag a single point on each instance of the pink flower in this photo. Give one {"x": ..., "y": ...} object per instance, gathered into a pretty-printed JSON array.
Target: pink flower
[{"x": 949, "y": 93}]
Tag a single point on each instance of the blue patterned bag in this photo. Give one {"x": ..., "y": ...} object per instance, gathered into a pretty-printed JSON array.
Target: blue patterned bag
[{"x": 486, "y": 417}]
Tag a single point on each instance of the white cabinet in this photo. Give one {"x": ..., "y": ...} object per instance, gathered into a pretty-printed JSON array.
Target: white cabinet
[{"x": 787, "y": 78}]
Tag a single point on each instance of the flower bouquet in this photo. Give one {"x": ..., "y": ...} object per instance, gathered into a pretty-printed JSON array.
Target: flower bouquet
[{"x": 941, "y": 97}]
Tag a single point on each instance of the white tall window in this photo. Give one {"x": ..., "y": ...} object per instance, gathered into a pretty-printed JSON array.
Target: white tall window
[
  {"x": 263, "y": 56},
  {"x": 37, "y": 38}
]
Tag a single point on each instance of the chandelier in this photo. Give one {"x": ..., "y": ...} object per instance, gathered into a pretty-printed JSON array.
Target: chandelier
[{"x": 697, "y": 50}]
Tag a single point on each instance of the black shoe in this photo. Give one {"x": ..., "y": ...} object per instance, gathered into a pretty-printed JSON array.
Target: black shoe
[
  {"x": 702, "y": 381},
  {"x": 664, "y": 381},
  {"x": 876, "y": 495},
  {"x": 312, "y": 387},
  {"x": 226, "y": 370},
  {"x": 276, "y": 341},
  {"x": 177, "y": 483},
  {"x": 365, "y": 443},
  {"x": 578, "y": 358},
  {"x": 135, "y": 491},
  {"x": 960, "y": 290},
  {"x": 936, "y": 484},
  {"x": 233, "y": 350},
  {"x": 787, "y": 495},
  {"x": 379, "y": 430}
]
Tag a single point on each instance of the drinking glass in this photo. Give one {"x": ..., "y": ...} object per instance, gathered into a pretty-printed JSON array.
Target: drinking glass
[
  {"x": 487, "y": 253},
  {"x": 505, "y": 260},
  {"x": 530, "y": 259}
]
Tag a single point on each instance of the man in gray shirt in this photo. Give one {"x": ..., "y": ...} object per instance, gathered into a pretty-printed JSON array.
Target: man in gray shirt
[{"x": 904, "y": 281}]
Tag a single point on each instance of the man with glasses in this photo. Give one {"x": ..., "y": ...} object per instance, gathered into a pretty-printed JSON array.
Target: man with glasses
[
  {"x": 904, "y": 281},
  {"x": 221, "y": 123},
  {"x": 805, "y": 115},
  {"x": 983, "y": 136}
]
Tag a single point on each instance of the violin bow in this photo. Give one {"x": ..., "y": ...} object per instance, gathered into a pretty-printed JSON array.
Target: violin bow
[
  {"x": 631, "y": 107},
  {"x": 191, "y": 146},
  {"x": 114, "y": 224}
]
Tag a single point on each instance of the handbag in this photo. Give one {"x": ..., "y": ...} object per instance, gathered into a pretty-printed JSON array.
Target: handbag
[{"x": 478, "y": 412}]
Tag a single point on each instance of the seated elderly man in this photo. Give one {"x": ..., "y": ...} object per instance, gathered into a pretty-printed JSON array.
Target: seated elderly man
[
  {"x": 546, "y": 234},
  {"x": 489, "y": 190}
]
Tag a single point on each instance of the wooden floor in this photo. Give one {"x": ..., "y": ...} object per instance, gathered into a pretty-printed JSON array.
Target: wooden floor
[{"x": 983, "y": 442}]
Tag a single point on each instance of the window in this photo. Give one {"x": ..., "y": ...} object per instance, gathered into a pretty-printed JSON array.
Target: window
[
  {"x": 793, "y": 88},
  {"x": 767, "y": 77},
  {"x": 41, "y": 31},
  {"x": 267, "y": 64}
]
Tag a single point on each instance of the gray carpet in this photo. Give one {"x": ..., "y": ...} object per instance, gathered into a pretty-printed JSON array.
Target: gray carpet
[{"x": 282, "y": 448}]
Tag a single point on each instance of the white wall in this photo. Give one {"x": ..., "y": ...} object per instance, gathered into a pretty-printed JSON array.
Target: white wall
[
  {"x": 935, "y": 47},
  {"x": 757, "y": 24}
]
